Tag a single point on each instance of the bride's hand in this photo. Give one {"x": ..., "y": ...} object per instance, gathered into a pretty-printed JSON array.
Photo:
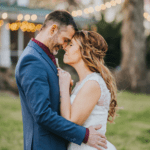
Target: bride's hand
[{"x": 64, "y": 79}]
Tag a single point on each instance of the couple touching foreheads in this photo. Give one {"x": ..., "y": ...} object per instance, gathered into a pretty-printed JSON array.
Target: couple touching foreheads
[{"x": 53, "y": 117}]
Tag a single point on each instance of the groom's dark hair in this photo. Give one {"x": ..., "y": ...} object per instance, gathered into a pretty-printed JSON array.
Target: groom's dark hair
[{"x": 62, "y": 17}]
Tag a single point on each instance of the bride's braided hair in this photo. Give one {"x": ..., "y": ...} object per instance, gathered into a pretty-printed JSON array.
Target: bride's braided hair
[{"x": 93, "y": 48}]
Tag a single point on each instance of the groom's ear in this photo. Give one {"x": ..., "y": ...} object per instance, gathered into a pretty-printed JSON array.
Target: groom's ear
[{"x": 53, "y": 29}]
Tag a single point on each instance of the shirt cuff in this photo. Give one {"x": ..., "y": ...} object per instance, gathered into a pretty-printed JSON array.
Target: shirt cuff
[{"x": 86, "y": 136}]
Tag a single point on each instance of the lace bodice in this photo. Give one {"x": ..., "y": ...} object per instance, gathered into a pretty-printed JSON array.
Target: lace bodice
[
  {"x": 100, "y": 112},
  {"x": 105, "y": 97}
]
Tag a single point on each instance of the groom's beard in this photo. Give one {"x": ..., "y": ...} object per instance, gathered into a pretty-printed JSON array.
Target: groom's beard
[{"x": 53, "y": 45}]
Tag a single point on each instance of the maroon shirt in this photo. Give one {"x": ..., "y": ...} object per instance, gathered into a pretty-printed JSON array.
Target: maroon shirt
[
  {"x": 46, "y": 50},
  {"x": 52, "y": 57}
]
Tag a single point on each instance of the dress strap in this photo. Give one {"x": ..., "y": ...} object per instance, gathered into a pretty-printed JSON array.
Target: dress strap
[
  {"x": 105, "y": 97},
  {"x": 76, "y": 89}
]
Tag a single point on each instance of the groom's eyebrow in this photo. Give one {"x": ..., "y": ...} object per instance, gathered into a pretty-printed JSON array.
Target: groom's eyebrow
[{"x": 68, "y": 39}]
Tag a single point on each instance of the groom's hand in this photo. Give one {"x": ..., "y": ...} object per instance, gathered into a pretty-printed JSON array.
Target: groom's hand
[{"x": 95, "y": 138}]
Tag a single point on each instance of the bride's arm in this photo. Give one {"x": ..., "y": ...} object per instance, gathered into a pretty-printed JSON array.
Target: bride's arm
[{"x": 83, "y": 104}]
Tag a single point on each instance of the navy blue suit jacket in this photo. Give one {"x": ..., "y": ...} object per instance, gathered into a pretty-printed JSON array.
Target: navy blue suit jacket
[{"x": 38, "y": 85}]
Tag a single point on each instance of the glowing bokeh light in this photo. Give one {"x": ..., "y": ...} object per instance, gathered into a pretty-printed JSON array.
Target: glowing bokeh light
[
  {"x": 86, "y": 11},
  {"x": 103, "y": 7},
  {"x": 113, "y": 3},
  {"x": 33, "y": 17},
  {"x": 27, "y": 17},
  {"x": 145, "y": 15},
  {"x": 74, "y": 13},
  {"x": 97, "y": 8},
  {"x": 79, "y": 12},
  {"x": 4, "y": 15},
  {"x": 20, "y": 17},
  {"x": 118, "y": 1},
  {"x": 90, "y": 9},
  {"x": 148, "y": 18},
  {"x": 108, "y": 5}
]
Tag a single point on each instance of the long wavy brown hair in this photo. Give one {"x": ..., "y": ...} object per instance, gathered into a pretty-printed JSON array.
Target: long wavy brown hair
[{"x": 93, "y": 49}]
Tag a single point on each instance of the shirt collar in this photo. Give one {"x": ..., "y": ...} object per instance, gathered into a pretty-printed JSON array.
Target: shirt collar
[{"x": 46, "y": 49}]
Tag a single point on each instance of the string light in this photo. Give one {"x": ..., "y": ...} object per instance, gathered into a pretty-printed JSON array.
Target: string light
[
  {"x": 20, "y": 17},
  {"x": 4, "y": 15},
  {"x": 113, "y": 3},
  {"x": 1, "y": 22},
  {"x": 86, "y": 11},
  {"x": 74, "y": 13},
  {"x": 27, "y": 17},
  {"x": 97, "y": 8},
  {"x": 31, "y": 27},
  {"x": 14, "y": 26},
  {"x": 33, "y": 17},
  {"x": 79, "y": 12},
  {"x": 38, "y": 27},
  {"x": 146, "y": 16},
  {"x": 118, "y": 1},
  {"x": 24, "y": 26},
  {"x": 108, "y": 5},
  {"x": 90, "y": 9},
  {"x": 103, "y": 7}
]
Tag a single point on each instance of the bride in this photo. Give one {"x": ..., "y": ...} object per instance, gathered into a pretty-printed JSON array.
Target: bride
[{"x": 93, "y": 100}]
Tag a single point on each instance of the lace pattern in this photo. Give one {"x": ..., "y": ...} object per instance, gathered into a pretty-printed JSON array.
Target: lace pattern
[
  {"x": 105, "y": 97},
  {"x": 98, "y": 115}
]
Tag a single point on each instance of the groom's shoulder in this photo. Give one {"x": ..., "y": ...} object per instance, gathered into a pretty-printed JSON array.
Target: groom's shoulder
[
  {"x": 29, "y": 53},
  {"x": 29, "y": 57}
]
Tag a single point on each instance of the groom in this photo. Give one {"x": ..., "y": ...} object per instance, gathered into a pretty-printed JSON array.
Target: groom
[{"x": 37, "y": 81}]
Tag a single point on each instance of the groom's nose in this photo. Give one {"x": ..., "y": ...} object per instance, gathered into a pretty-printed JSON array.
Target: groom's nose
[
  {"x": 64, "y": 45},
  {"x": 65, "y": 49}
]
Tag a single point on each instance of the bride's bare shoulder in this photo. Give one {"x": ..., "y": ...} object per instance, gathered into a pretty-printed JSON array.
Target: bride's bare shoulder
[{"x": 91, "y": 87}]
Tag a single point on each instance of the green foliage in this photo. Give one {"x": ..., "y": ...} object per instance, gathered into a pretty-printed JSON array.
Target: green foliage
[
  {"x": 60, "y": 56},
  {"x": 11, "y": 129},
  {"x": 131, "y": 130},
  {"x": 112, "y": 34}
]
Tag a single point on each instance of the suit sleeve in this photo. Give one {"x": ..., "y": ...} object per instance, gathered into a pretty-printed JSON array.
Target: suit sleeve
[{"x": 33, "y": 79}]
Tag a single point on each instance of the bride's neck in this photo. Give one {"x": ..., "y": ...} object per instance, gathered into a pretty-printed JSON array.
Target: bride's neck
[{"x": 82, "y": 70}]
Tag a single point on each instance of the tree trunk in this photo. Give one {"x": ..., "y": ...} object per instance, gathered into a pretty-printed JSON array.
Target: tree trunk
[{"x": 133, "y": 73}]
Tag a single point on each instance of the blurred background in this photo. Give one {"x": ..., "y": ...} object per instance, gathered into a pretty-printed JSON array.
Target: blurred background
[{"x": 125, "y": 25}]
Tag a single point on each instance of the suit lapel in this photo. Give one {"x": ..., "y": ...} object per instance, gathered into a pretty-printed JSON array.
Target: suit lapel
[{"x": 44, "y": 55}]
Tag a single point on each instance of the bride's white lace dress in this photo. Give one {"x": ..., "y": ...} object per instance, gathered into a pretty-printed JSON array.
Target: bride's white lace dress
[{"x": 98, "y": 115}]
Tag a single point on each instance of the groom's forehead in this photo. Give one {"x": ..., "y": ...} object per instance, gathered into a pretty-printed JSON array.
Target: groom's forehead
[
  {"x": 68, "y": 31},
  {"x": 66, "y": 28}
]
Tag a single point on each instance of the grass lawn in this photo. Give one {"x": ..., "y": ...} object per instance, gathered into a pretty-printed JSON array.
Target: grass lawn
[{"x": 131, "y": 130}]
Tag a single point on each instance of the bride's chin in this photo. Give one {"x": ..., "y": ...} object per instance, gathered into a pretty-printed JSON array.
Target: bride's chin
[{"x": 65, "y": 61}]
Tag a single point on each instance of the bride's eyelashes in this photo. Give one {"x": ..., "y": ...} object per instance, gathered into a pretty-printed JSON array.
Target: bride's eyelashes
[{"x": 70, "y": 44}]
